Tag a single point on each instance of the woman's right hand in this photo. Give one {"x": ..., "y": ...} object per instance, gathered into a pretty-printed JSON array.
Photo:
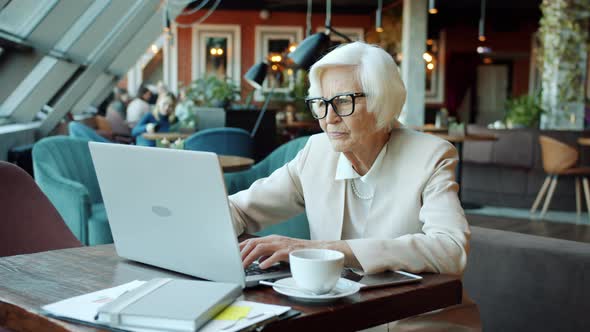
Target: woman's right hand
[{"x": 272, "y": 249}]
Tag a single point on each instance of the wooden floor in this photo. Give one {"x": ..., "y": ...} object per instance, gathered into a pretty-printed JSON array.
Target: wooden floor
[{"x": 580, "y": 233}]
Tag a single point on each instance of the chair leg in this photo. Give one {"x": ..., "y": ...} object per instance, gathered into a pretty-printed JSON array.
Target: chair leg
[
  {"x": 578, "y": 197},
  {"x": 549, "y": 196},
  {"x": 541, "y": 194},
  {"x": 586, "y": 194}
]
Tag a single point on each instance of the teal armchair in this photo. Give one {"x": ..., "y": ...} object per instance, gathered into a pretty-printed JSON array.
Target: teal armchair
[
  {"x": 78, "y": 130},
  {"x": 65, "y": 173},
  {"x": 295, "y": 227}
]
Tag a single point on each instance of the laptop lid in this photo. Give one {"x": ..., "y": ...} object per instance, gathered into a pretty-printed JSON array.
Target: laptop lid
[{"x": 169, "y": 208}]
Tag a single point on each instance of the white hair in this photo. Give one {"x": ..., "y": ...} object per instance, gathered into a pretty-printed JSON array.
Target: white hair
[{"x": 378, "y": 76}]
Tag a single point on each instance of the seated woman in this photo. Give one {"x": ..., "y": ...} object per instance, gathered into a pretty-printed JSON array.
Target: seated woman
[
  {"x": 161, "y": 120},
  {"x": 383, "y": 195}
]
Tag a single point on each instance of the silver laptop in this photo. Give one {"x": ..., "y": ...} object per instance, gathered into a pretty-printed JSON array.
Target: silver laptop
[{"x": 169, "y": 208}]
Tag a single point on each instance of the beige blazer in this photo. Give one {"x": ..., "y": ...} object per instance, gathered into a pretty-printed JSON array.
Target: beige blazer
[{"x": 415, "y": 223}]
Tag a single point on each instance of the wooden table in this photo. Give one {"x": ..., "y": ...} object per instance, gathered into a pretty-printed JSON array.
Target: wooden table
[
  {"x": 456, "y": 139},
  {"x": 235, "y": 163},
  {"x": 431, "y": 128},
  {"x": 171, "y": 136},
  {"x": 28, "y": 282}
]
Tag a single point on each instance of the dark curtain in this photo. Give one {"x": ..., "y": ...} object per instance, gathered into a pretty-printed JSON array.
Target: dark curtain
[{"x": 461, "y": 75}]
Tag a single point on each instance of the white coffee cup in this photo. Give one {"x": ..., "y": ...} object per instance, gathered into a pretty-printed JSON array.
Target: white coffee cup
[{"x": 316, "y": 270}]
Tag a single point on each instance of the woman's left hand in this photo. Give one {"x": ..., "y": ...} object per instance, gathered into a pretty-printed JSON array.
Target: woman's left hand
[{"x": 275, "y": 248}]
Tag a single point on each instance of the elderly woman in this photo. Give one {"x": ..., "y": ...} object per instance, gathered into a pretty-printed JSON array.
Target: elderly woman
[{"x": 383, "y": 195}]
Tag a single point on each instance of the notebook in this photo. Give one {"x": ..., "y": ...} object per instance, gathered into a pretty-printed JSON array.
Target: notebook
[
  {"x": 237, "y": 316},
  {"x": 170, "y": 304},
  {"x": 169, "y": 208}
]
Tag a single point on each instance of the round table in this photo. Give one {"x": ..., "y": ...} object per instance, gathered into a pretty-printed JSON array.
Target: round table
[
  {"x": 235, "y": 163},
  {"x": 431, "y": 129},
  {"x": 172, "y": 136}
]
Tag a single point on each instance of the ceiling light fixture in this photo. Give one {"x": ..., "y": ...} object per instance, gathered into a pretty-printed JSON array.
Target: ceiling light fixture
[
  {"x": 482, "y": 22},
  {"x": 432, "y": 7},
  {"x": 378, "y": 14},
  {"x": 313, "y": 47},
  {"x": 483, "y": 50},
  {"x": 308, "y": 19}
]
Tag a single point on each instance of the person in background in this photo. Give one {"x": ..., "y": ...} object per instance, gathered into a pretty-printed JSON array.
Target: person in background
[
  {"x": 161, "y": 119},
  {"x": 117, "y": 112},
  {"x": 119, "y": 103},
  {"x": 154, "y": 97},
  {"x": 139, "y": 106}
]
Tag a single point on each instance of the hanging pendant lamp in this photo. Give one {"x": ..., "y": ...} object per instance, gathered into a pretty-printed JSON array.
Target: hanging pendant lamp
[
  {"x": 482, "y": 22},
  {"x": 378, "y": 14},
  {"x": 432, "y": 7}
]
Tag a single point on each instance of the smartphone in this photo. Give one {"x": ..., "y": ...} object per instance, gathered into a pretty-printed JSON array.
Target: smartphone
[{"x": 383, "y": 279}]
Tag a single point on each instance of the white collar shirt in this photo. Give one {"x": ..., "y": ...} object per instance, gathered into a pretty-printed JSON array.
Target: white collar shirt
[{"x": 359, "y": 194}]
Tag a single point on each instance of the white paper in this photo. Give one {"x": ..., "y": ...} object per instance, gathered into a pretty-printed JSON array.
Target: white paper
[
  {"x": 85, "y": 307},
  {"x": 258, "y": 312}
]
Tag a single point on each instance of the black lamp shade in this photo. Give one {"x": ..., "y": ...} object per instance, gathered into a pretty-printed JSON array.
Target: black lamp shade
[
  {"x": 310, "y": 50},
  {"x": 256, "y": 74}
]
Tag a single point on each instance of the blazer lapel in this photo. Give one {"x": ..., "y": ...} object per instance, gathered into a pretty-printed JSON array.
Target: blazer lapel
[
  {"x": 334, "y": 212},
  {"x": 383, "y": 203}
]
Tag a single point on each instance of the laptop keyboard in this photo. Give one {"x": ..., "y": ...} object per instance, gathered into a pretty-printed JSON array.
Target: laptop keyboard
[{"x": 254, "y": 269}]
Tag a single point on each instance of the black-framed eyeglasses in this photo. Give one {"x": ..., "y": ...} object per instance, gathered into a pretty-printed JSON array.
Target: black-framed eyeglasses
[{"x": 342, "y": 104}]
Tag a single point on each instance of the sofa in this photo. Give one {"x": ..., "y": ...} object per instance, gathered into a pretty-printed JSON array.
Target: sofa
[
  {"x": 509, "y": 172},
  {"x": 524, "y": 282}
]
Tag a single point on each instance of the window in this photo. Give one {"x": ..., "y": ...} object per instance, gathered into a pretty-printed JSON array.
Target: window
[
  {"x": 435, "y": 69},
  {"x": 20, "y": 17},
  {"x": 272, "y": 45},
  {"x": 216, "y": 51}
]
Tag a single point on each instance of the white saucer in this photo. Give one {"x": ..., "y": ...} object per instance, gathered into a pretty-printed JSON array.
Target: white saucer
[{"x": 343, "y": 288}]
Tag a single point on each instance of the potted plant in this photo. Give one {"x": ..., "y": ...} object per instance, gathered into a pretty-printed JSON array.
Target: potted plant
[
  {"x": 212, "y": 91},
  {"x": 186, "y": 112},
  {"x": 523, "y": 111}
]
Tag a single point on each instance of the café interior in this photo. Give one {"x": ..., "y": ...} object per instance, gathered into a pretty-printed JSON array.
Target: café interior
[{"x": 505, "y": 82}]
